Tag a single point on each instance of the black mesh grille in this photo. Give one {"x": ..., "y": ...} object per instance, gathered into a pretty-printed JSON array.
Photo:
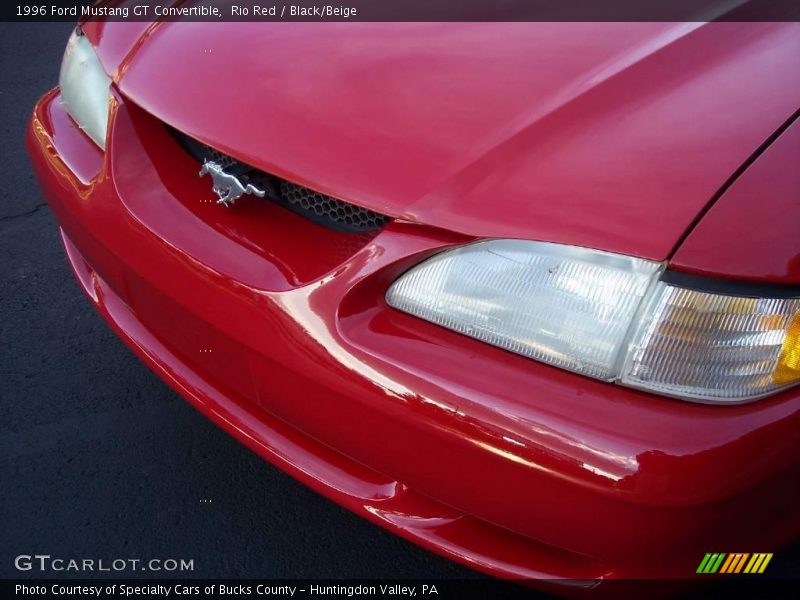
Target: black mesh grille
[
  {"x": 315, "y": 206},
  {"x": 345, "y": 215}
]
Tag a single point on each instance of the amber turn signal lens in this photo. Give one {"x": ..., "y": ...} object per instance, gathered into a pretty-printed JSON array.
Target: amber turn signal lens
[{"x": 788, "y": 369}]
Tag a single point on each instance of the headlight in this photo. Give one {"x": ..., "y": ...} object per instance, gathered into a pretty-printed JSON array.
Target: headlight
[
  {"x": 85, "y": 88},
  {"x": 608, "y": 316},
  {"x": 565, "y": 306}
]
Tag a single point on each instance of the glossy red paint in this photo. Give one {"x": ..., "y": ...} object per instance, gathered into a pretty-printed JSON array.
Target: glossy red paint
[
  {"x": 609, "y": 135},
  {"x": 538, "y": 473},
  {"x": 53, "y": 129},
  {"x": 115, "y": 40},
  {"x": 752, "y": 232}
]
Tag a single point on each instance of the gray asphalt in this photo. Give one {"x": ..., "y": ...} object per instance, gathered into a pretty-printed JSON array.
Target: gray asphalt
[{"x": 102, "y": 460}]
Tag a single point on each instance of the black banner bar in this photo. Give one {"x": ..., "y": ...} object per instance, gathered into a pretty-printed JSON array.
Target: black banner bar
[
  {"x": 730, "y": 588},
  {"x": 401, "y": 10}
]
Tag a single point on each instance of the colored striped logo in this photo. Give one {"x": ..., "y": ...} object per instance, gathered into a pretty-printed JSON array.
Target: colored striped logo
[{"x": 720, "y": 562}]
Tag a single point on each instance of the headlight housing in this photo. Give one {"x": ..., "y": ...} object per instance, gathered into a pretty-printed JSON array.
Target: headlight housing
[
  {"x": 610, "y": 317},
  {"x": 85, "y": 88}
]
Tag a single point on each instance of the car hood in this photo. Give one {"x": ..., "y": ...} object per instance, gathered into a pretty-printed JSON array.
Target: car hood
[{"x": 606, "y": 135}]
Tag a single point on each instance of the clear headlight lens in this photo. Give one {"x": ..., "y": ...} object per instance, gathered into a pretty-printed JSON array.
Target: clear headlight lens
[
  {"x": 85, "y": 88},
  {"x": 608, "y": 316},
  {"x": 569, "y": 307}
]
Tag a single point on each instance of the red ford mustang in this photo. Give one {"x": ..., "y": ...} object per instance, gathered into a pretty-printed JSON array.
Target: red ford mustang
[{"x": 525, "y": 294}]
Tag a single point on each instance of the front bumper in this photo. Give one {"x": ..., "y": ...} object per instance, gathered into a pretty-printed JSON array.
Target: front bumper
[{"x": 276, "y": 329}]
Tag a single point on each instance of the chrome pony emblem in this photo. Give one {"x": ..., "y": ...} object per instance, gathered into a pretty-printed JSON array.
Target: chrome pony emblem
[{"x": 226, "y": 186}]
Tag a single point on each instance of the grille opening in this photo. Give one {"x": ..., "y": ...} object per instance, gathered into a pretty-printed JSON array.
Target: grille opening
[{"x": 316, "y": 207}]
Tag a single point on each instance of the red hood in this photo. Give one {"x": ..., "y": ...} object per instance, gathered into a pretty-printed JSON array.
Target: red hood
[{"x": 605, "y": 135}]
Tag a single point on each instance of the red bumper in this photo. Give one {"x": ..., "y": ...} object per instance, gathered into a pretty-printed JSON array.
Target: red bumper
[{"x": 277, "y": 330}]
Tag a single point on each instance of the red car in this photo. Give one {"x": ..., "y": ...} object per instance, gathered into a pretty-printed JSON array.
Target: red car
[{"x": 527, "y": 294}]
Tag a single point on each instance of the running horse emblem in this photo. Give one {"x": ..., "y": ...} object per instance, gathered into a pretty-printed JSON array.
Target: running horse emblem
[{"x": 226, "y": 186}]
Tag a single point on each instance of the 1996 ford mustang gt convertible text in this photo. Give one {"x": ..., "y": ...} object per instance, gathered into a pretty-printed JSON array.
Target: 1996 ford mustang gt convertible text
[{"x": 526, "y": 294}]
